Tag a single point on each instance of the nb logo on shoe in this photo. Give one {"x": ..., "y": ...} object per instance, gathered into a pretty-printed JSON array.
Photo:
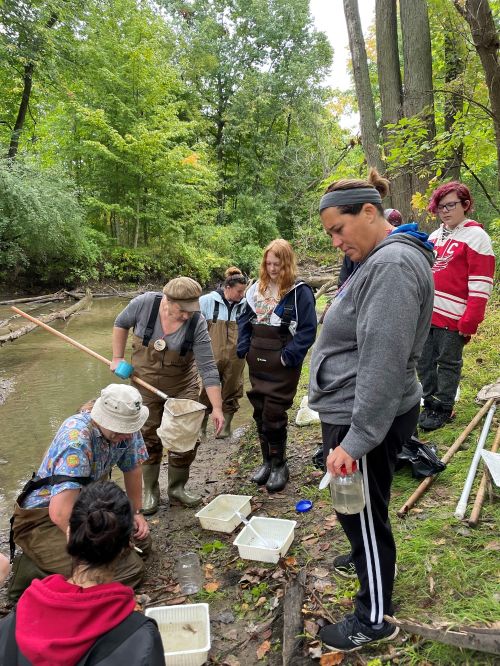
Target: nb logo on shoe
[
  {"x": 262, "y": 360},
  {"x": 359, "y": 638}
]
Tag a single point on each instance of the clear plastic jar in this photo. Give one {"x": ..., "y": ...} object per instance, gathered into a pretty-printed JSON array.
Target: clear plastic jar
[
  {"x": 189, "y": 574},
  {"x": 347, "y": 492}
]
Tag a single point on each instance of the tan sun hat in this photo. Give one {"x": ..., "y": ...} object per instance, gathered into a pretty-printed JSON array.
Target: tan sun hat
[
  {"x": 120, "y": 409},
  {"x": 185, "y": 292}
]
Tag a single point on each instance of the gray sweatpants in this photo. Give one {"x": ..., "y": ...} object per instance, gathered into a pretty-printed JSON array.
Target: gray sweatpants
[{"x": 440, "y": 367}]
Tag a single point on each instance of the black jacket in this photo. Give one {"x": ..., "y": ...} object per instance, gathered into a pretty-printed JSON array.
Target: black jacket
[{"x": 142, "y": 647}]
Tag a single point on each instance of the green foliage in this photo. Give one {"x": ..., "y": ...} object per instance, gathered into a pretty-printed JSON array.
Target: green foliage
[
  {"x": 212, "y": 547},
  {"x": 43, "y": 237}
]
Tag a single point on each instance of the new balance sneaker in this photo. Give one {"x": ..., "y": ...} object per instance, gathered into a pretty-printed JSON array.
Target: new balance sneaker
[
  {"x": 344, "y": 566},
  {"x": 350, "y": 634}
]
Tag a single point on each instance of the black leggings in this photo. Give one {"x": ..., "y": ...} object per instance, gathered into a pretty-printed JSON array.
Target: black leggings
[{"x": 369, "y": 532}]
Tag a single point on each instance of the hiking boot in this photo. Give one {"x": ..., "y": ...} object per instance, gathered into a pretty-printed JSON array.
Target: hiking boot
[
  {"x": 350, "y": 634},
  {"x": 436, "y": 419},
  {"x": 344, "y": 566}
]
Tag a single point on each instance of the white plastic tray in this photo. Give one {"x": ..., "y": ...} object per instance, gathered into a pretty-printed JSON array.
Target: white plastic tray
[
  {"x": 276, "y": 531},
  {"x": 185, "y": 633},
  {"x": 220, "y": 514}
]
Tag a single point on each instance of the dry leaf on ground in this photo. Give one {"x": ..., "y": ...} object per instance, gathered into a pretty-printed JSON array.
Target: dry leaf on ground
[
  {"x": 230, "y": 660},
  {"x": 263, "y": 649},
  {"x": 175, "y": 601},
  {"x": 331, "y": 659},
  {"x": 320, "y": 572},
  {"x": 211, "y": 587},
  {"x": 315, "y": 650},
  {"x": 311, "y": 627}
]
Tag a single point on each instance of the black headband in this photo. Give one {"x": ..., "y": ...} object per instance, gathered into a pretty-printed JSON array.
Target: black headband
[{"x": 355, "y": 195}]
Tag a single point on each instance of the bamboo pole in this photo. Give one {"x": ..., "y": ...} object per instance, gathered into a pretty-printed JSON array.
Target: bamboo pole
[
  {"x": 478, "y": 503},
  {"x": 85, "y": 349},
  {"x": 426, "y": 483}
]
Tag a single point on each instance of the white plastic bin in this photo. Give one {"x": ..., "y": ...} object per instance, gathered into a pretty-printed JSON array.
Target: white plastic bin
[
  {"x": 185, "y": 633},
  {"x": 277, "y": 532},
  {"x": 220, "y": 514}
]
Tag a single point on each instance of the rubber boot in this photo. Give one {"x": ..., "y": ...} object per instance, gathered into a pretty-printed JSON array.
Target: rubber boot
[
  {"x": 204, "y": 423},
  {"x": 151, "y": 489},
  {"x": 177, "y": 479},
  {"x": 261, "y": 475},
  {"x": 280, "y": 473},
  {"x": 226, "y": 430}
]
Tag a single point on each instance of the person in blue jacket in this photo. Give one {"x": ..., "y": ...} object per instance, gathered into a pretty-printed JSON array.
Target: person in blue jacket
[
  {"x": 221, "y": 308},
  {"x": 275, "y": 331}
]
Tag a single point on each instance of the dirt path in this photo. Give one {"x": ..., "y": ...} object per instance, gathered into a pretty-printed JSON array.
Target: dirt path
[{"x": 246, "y": 597}]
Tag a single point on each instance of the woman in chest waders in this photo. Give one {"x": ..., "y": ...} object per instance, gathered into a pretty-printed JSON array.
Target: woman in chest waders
[
  {"x": 222, "y": 308},
  {"x": 170, "y": 346},
  {"x": 275, "y": 332}
]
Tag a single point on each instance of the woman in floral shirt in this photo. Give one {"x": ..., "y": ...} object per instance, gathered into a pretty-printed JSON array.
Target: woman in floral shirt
[{"x": 85, "y": 448}]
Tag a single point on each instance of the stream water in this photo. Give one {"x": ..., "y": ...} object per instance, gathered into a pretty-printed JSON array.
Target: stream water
[{"x": 51, "y": 379}]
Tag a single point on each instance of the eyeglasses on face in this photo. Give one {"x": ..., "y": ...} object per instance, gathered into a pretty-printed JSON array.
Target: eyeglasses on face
[{"x": 447, "y": 206}]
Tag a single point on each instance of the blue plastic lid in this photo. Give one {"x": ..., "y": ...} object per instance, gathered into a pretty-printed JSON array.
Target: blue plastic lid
[{"x": 303, "y": 505}]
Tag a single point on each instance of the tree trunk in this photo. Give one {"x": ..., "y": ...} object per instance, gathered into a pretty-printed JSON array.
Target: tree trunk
[
  {"x": 478, "y": 15},
  {"x": 137, "y": 222},
  {"x": 23, "y": 109},
  {"x": 418, "y": 89},
  {"x": 25, "y": 100},
  {"x": 368, "y": 123},
  {"x": 453, "y": 104},
  {"x": 391, "y": 93},
  {"x": 219, "y": 150}
]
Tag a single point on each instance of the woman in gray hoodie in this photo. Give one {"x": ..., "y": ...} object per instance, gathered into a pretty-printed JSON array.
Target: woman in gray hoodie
[{"x": 364, "y": 385}]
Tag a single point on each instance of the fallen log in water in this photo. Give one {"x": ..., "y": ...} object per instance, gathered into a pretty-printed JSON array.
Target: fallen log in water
[
  {"x": 60, "y": 314},
  {"x": 47, "y": 298},
  {"x": 484, "y": 639}
]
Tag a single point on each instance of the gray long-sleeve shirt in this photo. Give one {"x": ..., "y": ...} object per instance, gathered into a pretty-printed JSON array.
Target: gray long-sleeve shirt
[
  {"x": 363, "y": 365},
  {"x": 136, "y": 316}
]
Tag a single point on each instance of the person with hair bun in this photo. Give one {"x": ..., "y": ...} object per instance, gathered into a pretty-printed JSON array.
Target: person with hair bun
[
  {"x": 61, "y": 621},
  {"x": 364, "y": 386},
  {"x": 276, "y": 331},
  {"x": 463, "y": 280},
  {"x": 221, "y": 308}
]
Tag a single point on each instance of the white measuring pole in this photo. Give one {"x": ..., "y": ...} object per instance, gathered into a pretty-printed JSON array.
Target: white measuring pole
[{"x": 462, "y": 503}]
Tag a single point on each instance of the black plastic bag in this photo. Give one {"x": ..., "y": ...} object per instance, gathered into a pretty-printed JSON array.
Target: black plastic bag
[
  {"x": 421, "y": 457},
  {"x": 318, "y": 460}
]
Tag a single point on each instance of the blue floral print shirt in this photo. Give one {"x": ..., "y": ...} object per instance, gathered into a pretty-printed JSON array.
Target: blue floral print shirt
[{"x": 79, "y": 449}]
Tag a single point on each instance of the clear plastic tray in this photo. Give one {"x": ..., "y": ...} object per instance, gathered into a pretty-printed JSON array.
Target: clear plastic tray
[
  {"x": 276, "y": 532},
  {"x": 185, "y": 633},
  {"x": 220, "y": 515}
]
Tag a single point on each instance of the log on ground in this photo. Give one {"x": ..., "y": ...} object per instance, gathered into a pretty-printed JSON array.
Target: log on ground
[{"x": 483, "y": 639}]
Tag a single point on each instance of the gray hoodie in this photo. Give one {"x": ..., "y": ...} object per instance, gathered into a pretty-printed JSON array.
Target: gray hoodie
[{"x": 363, "y": 363}]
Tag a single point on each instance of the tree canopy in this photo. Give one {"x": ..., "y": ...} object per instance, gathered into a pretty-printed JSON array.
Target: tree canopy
[{"x": 142, "y": 139}]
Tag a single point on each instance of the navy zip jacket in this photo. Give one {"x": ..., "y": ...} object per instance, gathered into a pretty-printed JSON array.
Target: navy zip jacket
[{"x": 302, "y": 326}]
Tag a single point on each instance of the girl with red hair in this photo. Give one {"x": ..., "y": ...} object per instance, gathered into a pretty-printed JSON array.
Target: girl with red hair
[
  {"x": 275, "y": 332},
  {"x": 463, "y": 281}
]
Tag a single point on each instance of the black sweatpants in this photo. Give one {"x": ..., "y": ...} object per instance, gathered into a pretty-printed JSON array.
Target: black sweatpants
[
  {"x": 440, "y": 367},
  {"x": 369, "y": 532}
]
